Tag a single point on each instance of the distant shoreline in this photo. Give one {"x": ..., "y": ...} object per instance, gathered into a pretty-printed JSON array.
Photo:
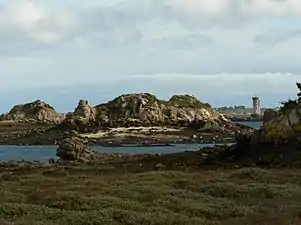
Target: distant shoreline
[{"x": 247, "y": 120}]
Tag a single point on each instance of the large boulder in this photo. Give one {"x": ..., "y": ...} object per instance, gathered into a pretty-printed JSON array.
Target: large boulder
[
  {"x": 285, "y": 126},
  {"x": 81, "y": 119},
  {"x": 34, "y": 112},
  {"x": 269, "y": 115},
  {"x": 83, "y": 110},
  {"x": 73, "y": 149}
]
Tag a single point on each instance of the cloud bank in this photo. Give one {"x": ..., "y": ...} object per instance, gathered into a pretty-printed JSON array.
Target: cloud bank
[{"x": 213, "y": 48}]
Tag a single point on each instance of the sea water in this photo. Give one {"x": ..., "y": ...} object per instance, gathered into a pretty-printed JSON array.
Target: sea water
[
  {"x": 44, "y": 153},
  {"x": 255, "y": 124}
]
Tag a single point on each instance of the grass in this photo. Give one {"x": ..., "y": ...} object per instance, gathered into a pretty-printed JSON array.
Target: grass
[{"x": 90, "y": 194}]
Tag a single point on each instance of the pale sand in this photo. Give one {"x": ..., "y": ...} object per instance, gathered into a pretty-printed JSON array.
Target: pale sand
[
  {"x": 7, "y": 121},
  {"x": 126, "y": 131}
]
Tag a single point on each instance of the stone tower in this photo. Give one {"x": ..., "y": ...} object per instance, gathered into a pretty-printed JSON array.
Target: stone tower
[{"x": 256, "y": 106}]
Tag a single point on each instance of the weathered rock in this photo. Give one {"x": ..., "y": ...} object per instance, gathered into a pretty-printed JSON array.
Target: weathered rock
[
  {"x": 285, "y": 126},
  {"x": 277, "y": 142},
  {"x": 73, "y": 149},
  {"x": 146, "y": 110},
  {"x": 269, "y": 115},
  {"x": 52, "y": 161},
  {"x": 84, "y": 110},
  {"x": 159, "y": 167},
  {"x": 82, "y": 119},
  {"x": 34, "y": 112}
]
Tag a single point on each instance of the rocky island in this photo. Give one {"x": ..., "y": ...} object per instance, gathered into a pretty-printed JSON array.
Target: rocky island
[
  {"x": 127, "y": 119},
  {"x": 254, "y": 181}
]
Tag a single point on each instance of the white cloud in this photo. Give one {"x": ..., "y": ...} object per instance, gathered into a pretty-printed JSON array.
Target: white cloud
[
  {"x": 277, "y": 8},
  {"x": 207, "y": 7},
  {"x": 211, "y": 8},
  {"x": 107, "y": 42},
  {"x": 38, "y": 22}
]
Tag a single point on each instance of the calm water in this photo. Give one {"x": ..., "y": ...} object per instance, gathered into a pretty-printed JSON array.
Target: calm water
[
  {"x": 255, "y": 124},
  {"x": 44, "y": 153}
]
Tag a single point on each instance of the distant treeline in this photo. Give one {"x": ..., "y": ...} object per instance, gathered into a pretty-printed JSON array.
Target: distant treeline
[{"x": 236, "y": 107}]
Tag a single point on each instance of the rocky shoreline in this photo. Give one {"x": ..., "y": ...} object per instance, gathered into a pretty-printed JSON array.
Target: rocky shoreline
[
  {"x": 275, "y": 144},
  {"x": 130, "y": 119},
  {"x": 26, "y": 135},
  {"x": 211, "y": 183}
]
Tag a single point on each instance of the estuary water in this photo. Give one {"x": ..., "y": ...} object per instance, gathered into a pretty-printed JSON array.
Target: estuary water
[{"x": 44, "y": 153}]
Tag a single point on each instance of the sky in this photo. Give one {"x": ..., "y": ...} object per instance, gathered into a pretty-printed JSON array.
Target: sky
[{"x": 222, "y": 51}]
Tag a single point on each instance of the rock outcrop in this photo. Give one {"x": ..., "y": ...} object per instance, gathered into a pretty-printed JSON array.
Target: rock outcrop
[
  {"x": 146, "y": 110},
  {"x": 277, "y": 142},
  {"x": 284, "y": 127},
  {"x": 269, "y": 115},
  {"x": 34, "y": 112},
  {"x": 73, "y": 149},
  {"x": 83, "y": 110},
  {"x": 82, "y": 119}
]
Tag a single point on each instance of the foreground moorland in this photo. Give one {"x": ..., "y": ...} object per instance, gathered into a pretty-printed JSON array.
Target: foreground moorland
[{"x": 99, "y": 194}]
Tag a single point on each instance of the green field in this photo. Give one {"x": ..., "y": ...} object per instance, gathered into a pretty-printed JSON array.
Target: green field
[{"x": 93, "y": 195}]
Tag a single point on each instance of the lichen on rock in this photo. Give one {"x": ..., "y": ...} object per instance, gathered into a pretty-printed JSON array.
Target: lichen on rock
[
  {"x": 145, "y": 109},
  {"x": 278, "y": 141},
  {"x": 148, "y": 110},
  {"x": 83, "y": 116},
  {"x": 34, "y": 112},
  {"x": 73, "y": 149}
]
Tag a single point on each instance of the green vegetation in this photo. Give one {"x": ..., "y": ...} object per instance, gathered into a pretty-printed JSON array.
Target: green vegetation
[
  {"x": 89, "y": 194},
  {"x": 32, "y": 107},
  {"x": 187, "y": 101},
  {"x": 231, "y": 108},
  {"x": 178, "y": 100},
  {"x": 129, "y": 104},
  {"x": 126, "y": 102},
  {"x": 288, "y": 105}
]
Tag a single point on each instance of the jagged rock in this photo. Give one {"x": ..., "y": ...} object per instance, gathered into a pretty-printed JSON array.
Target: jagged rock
[
  {"x": 73, "y": 149},
  {"x": 145, "y": 109},
  {"x": 84, "y": 110},
  {"x": 81, "y": 119},
  {"x": 286, "y": 125},
  {"x": 52, "y": 161},
  {"x": 277, "y": 142},
  {"x": 34, "y": 112},
  {"x": 2, "y": 116},
  {"x": 159, "y": 167},
  {"x": 269, "y": 115}
]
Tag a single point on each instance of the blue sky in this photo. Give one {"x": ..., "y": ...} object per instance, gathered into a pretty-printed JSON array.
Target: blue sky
[{"x": 222, "y": 51}]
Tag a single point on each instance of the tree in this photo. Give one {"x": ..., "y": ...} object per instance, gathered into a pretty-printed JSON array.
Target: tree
[
  {"x": 290, "y": 104},
  {"x": 299, "y": 93}
]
